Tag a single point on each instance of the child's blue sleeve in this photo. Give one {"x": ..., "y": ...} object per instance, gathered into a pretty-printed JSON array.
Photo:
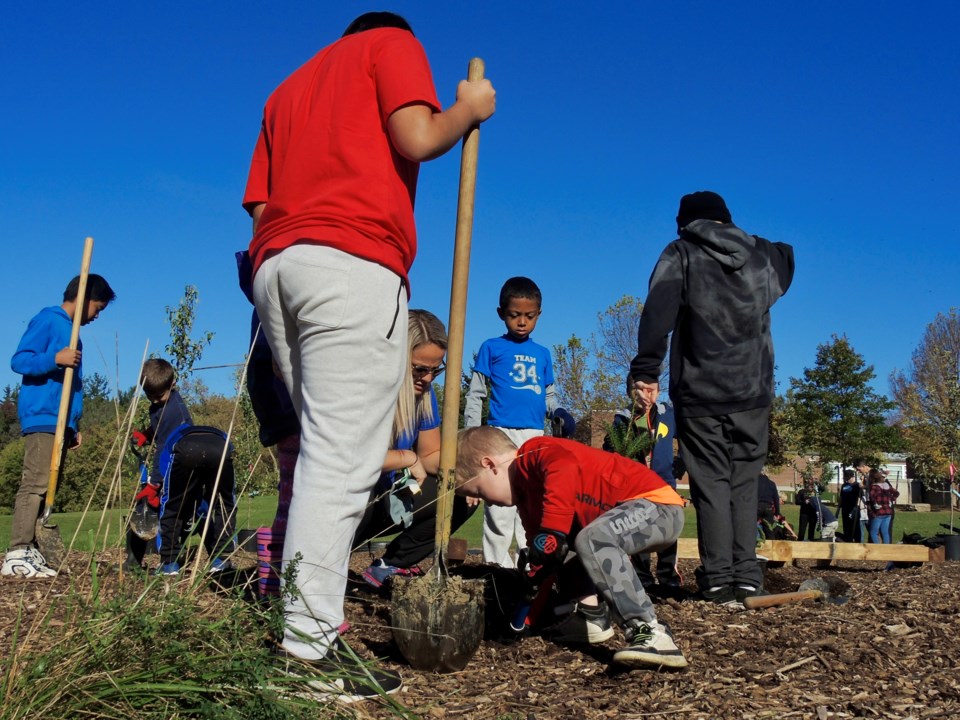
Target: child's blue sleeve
[{"x": 36, "y": 354}]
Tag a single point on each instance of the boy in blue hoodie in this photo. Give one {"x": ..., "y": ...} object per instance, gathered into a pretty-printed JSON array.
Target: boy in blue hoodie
[{"x": 42, "y": 358}]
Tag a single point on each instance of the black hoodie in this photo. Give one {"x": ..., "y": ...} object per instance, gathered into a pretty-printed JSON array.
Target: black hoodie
[{"x": 713, "y": 288}]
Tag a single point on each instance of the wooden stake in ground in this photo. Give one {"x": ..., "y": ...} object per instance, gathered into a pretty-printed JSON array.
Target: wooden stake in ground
[
  {"x": 48, "y": 534},
  {"x": 438, "y": 620}
]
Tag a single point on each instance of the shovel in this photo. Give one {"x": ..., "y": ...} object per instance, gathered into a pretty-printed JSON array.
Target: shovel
[
  {"x": 437, "y": 619},
  {"x": 812, "y": 589},
  {"x": 48, "y": 534}
]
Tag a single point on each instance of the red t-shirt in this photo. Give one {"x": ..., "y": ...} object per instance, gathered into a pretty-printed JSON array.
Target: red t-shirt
[
  {"x": 324, "y": 164},
  {"x": 558, "y": 481}
]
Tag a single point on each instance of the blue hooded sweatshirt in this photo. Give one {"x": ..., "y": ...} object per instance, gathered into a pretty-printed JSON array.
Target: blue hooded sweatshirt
[{"x": 39, "y": 404}]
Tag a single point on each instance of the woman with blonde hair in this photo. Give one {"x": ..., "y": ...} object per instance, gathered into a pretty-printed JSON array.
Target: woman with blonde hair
[{"x": 405, "y": 496}]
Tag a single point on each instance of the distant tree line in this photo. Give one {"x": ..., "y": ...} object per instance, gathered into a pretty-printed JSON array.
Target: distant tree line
[{"x": 831, "y": 412}]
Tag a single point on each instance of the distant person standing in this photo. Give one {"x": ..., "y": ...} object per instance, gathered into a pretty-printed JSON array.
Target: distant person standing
[
  {"x": 882, "y": 497},
  {"x": 331, "y": 192},
  {"x": 863, "y": 474},
  {"x": 520, "y": 375},
  {"x": 42, "y": 357},
  {"x": 713, "y": 288},
  {"x": 850, "y": 507}
]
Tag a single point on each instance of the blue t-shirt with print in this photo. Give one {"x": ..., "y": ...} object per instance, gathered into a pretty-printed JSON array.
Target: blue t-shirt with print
[
  {"x": 519, "y": 373},
  {"x": 408, "y": 440}
]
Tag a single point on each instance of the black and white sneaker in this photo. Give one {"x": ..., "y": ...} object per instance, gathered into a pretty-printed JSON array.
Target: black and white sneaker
[
  {"x": 341, "y": 676},
  {"x": 722, "y": 595},
  {"x": 649, "y": 644},
  {"x": 586, "y": 624}
]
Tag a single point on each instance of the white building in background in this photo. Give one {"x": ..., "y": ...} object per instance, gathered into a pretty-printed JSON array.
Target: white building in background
[{"x": 896, "y": 466}]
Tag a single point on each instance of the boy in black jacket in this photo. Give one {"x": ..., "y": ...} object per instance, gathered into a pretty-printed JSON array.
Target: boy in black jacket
[
  {"x": 192, "y": 465},
  {"x": 713, "y": 288}
]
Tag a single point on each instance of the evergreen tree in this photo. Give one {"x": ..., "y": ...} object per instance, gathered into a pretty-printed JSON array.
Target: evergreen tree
[
  {"x": 9, "y": 421},
  {"x": 832, "y": 410}
]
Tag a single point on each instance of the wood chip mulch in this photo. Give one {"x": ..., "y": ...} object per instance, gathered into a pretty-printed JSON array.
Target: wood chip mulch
[{"x": 890, "y": 651}]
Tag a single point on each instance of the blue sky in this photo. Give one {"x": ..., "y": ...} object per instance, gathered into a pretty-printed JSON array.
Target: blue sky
[{"x": 831, "y": 126}]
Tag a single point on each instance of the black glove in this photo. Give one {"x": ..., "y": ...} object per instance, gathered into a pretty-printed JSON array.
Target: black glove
[
  {"x": 545, "y": 554},
  {"x": 563, "y": 424}
]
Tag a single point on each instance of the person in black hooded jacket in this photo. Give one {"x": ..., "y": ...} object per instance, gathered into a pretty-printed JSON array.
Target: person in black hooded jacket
[{"x": 713, "y": 288}]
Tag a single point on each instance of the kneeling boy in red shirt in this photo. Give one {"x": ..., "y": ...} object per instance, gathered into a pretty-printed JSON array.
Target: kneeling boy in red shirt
[{"x": 607, "y": 506}]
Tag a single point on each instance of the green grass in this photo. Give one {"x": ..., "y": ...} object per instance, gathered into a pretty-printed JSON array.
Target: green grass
[
  {"x": 251, "y": 513},
  {"x": 258, "y": 511}
]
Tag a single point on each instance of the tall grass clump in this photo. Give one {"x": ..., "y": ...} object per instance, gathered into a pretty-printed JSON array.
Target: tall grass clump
[{"x": 153, "y": 649}]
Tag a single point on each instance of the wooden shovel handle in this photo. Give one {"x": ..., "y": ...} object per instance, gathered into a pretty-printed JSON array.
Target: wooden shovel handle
[
  {"x": 455, "y": 328},
  {"x": 66, "y": 393},
  {"x": 764, "y": 601}
]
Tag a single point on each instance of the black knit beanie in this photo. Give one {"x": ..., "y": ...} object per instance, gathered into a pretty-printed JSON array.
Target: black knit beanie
[{"x": 703, "y": 205}]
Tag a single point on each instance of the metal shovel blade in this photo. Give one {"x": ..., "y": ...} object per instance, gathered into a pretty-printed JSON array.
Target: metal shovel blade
[
  {"x": 50, "y": 544},
  {"x": 831, "y": 591},
  {"x": 437, "y": 620},
  {"x": 145, "y": 522},
  {"x": 812, "y": 589}
]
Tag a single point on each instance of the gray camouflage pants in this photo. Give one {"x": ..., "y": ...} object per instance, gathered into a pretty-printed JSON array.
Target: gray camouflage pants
[{"x": 605, "y": 546}]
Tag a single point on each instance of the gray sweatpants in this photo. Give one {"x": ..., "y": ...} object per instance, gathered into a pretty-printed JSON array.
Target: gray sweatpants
[
  {"x": 337, "y": 326},
  {"x": 605, "y": 546}
]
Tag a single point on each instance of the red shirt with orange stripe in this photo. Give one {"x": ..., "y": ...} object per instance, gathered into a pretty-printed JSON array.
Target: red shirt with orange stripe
[{"x": 562, "y": 484}]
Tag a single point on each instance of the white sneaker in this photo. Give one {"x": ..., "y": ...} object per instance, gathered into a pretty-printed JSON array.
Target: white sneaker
[
  {"x": 26, "y": 562},
  {"x": 586, "y": 624},
  {"x": 649, "y": 644}
]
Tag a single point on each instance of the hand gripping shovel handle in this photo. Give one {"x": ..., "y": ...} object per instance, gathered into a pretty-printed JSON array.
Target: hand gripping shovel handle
[
  {"x": 455, "y": 330},
  {"x": 66, "y": 394}
]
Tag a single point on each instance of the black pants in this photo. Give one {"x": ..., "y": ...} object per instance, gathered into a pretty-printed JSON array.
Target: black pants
[
  {"x": 808, "y": 525},
  {"x": 666, "y": 570},
  {"x": 851, "y": 524},
  {"x": 191, "y": 480},
  {"x": 724, "y": 456},
  {"x": 416, "y": 542}
]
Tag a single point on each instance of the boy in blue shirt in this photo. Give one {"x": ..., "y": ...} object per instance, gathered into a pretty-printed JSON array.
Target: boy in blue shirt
[
  {"x": 42, "y": 357},
  {"x": 520, "y": 376}
]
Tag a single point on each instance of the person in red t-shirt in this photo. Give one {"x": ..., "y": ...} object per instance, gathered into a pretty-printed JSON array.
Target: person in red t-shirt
[
  {"x": 331, "y": 191},
  {"x": 608, "y": 506}
]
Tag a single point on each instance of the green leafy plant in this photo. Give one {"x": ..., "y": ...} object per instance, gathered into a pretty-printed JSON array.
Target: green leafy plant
[{"x": 627, "y": 440}]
